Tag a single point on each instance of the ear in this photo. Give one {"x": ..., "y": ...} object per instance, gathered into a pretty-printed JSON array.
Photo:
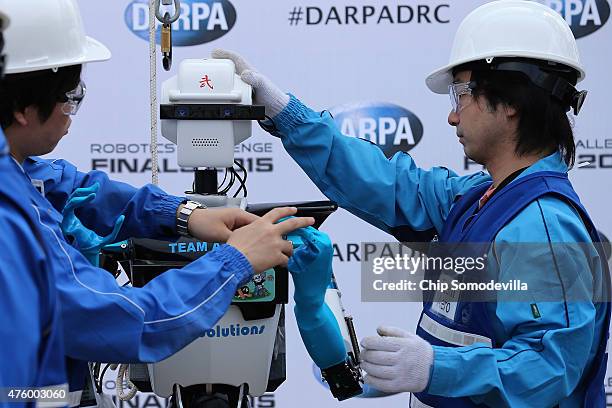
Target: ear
[
  {"x": 510, "y": 111},
  {"x": 24, "y": 118},
  {"x": 20, "y": 118}
]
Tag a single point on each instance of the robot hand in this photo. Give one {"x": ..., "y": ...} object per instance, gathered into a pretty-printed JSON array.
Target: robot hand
[
  {"x": 88, "y": 242},
  {"x": 396, "y": 361},
  {"x": 266, "y": 93}
]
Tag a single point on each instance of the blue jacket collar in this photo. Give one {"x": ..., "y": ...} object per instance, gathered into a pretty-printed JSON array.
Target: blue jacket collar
[{"x": 553, "y": 162}]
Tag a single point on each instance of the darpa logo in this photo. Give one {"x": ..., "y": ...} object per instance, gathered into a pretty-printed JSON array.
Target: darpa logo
[
  {"x": 200, "y": 21},
  {"x": 390, "y": 126},
  {"x": 583, "y": 16}
]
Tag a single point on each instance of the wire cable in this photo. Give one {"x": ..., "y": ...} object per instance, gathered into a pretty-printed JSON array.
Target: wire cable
[
  {"x": 242, "y": 180},
  {"x": 153, "y": 89},
  {"x": 132, "y": 389}
]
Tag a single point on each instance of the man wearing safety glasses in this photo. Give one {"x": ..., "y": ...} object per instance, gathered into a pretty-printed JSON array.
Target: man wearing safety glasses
[
  {"x": 86, "y": 314},
  {"x": 511, "y": 78},
  {"x": 31, "y": 337}
]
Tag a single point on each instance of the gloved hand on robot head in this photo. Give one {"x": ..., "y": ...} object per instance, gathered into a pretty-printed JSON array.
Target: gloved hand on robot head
[
  {"x": 265, "y": 92},
  {"x": 396, "y": 360}
]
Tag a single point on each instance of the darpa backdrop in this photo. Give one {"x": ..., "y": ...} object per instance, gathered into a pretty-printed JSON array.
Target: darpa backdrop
[{"x": 364, "y": 60}]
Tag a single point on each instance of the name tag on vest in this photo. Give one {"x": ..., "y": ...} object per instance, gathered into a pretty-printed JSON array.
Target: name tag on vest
[{"x": 445, "y": 303}]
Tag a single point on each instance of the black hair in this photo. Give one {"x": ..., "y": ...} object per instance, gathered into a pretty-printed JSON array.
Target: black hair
[
  {"x": 41, "y": 89},
  {"x": 543, "y": 124}
]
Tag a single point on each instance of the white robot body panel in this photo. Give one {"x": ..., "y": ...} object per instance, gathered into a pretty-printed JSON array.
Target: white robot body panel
[
  {"x": 213, "y": 359},
  {"x": 332, "y": 299},
  {"x": 195, "y": 148}
]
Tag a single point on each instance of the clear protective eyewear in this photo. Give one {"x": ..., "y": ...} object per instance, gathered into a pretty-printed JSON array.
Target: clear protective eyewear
[
  {"x": 457, "y": 90},
  {"x": 74, "y": 99}
]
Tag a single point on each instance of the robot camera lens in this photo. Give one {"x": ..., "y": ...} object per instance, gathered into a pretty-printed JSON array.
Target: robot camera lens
[
  {"x": 227, "y": 112},
  {"x": 182, "y": 112}
]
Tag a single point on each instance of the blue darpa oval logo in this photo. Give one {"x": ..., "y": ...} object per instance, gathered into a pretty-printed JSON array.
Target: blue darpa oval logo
[
  {"x": 200, "y": 22},
  {"x": 583, "y": 16},
  {"x": 390, "y": 126}
]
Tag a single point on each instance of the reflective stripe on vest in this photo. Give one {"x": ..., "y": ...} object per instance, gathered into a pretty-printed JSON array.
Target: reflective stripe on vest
[{"x": 452, "y": 336}]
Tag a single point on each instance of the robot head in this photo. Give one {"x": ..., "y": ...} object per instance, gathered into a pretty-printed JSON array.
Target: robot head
[{"x": 206, "y": 110}]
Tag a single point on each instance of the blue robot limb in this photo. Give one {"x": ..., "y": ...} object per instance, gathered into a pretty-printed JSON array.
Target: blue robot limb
[{"x": 311, "y": 270}]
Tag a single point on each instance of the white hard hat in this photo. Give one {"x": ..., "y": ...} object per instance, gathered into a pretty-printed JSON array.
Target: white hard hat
[
  {"x": 510, "y": 28},
  {"x": 47, "y": 34}
]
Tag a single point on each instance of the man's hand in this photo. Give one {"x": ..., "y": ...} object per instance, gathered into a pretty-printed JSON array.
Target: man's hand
[
  {"x": 396, "y": 361},
  {"x": 216, "y": 224},
  {"x": 262, "y": 242},
  {"x": 265, "y": 92}
]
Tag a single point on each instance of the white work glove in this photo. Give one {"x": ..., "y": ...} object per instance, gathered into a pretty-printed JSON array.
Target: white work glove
[
  {"x": 265, "y": 92},
  {"x": 396, "y": 360}
]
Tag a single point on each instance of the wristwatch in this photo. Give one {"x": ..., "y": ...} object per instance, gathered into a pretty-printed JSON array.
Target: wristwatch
[{"x": 182, "y": 219}]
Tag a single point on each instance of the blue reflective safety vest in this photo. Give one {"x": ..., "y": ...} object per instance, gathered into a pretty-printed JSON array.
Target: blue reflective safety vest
[{"x": 463, "y": 226}]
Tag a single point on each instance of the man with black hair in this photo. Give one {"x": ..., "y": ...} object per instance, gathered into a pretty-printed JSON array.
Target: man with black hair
[
  {"x": 511, "y": 78},
  {"x": 80, "y": 311},
  {"x": 31, "y": 336}
]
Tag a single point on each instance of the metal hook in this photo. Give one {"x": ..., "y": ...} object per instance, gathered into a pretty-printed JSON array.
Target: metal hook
[
  {"x": 166, "y": 42},
  {"x": 177, "y": 10}
]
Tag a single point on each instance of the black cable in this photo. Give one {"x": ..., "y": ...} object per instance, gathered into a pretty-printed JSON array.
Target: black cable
[
  {"x": 230, "y": 184},
  {"x": 243, "y": 170},
  {"x": 224, "y": 178},
  {"x": 99, "y": 383},
  {"x": 242, "y": 181}
]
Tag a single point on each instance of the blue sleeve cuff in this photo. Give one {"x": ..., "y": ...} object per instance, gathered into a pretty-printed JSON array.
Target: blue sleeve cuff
[
  {"x": 166, "y": 209},
  {"x": 295, "y": 113},
  {"x": 444, "y": 371},
  {"x": 235, "y": 261}
]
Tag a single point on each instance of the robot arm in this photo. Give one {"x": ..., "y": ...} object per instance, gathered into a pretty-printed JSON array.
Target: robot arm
[{"x": 326, "y": 333}]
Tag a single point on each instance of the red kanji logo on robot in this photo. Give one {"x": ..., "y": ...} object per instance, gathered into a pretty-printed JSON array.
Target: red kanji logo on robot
[{"x": 205, "y": 82}]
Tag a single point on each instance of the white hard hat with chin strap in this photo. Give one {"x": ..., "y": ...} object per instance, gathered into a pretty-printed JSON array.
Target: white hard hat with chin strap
[
  {"x": 47, "y": 34},
  {"x": 521, "y": 36}
]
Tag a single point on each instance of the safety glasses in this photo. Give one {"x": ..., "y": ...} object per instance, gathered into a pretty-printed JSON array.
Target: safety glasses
[
  {"x": 74, "y": 99},
  {"x": 457, "y": 90}
]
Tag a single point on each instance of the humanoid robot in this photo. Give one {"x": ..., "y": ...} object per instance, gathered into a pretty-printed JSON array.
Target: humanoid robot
[{"x": 206, "y": 110}]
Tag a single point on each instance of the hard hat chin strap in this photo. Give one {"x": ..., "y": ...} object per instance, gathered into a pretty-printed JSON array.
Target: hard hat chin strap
[{"x": 558, "y": 87}]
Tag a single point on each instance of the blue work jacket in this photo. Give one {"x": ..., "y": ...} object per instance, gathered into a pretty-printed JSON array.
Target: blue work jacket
[
  {"x": 31, "y": 333},
  {"x": 103, "y": 321},
  {"x": 413, "y": 204}
]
